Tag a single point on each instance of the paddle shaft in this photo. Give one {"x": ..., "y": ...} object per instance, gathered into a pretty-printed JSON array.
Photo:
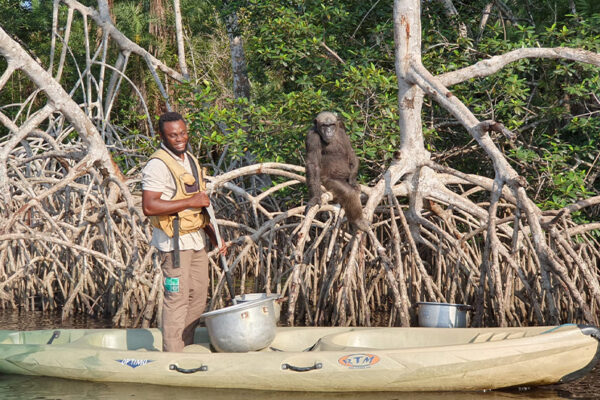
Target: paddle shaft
[{"x": 213, "y": 221}]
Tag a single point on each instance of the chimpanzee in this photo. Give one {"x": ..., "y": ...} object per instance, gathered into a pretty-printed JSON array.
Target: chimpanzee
[{"x": 331, "y": 161}]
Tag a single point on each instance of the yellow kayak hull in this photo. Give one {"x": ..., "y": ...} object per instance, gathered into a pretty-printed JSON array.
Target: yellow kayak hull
[{"x": 323, "y": 359}]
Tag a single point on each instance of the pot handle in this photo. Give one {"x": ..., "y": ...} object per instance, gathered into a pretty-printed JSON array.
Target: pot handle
[
  {"x": 174, "y": 367},
  {"x": 301, "y": 369},
  {"x": 465, "y": 308}
]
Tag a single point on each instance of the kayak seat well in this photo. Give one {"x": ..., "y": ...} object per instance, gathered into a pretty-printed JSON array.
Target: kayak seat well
[
  {"x": 302, "y": 339},
  {"x": 393, "y": 338},
  {"x": 123, "y": 339},
  {"x": 55, "y": 336}
]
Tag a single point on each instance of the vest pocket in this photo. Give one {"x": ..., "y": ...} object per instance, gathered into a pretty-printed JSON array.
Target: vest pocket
[{"x": 192, "y": 220}]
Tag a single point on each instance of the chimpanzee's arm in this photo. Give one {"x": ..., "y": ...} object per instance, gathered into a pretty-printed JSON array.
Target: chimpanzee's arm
[
  {"x": 352, "y": 162},
  {"x": 313, "y": 166}
]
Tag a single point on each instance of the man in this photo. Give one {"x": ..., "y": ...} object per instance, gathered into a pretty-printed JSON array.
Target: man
[{"x": 173, "y": 197}]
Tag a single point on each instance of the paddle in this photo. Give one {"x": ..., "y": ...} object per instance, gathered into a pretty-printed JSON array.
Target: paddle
[{"x": 213, "y": 221}]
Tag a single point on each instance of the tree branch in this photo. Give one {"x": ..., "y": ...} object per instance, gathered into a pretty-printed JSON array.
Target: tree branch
[
  {"x": 496, "y": 63},
  {"x": 124, "y": 43}
]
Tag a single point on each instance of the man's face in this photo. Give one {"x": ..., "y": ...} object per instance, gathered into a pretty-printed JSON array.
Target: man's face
[{"x": 175, "y": 136}]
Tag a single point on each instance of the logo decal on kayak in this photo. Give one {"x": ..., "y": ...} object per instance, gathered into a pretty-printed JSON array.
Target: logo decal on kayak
[
  {"x": 359, "y": 360},
  {"x": 133, "y": 363}
]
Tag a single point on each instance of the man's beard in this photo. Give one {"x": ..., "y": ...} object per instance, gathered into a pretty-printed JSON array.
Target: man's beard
[{"x": 173, "y": 150}]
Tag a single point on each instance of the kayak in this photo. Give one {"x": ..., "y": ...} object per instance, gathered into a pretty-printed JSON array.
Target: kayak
[{"x": 322, "y": 359}]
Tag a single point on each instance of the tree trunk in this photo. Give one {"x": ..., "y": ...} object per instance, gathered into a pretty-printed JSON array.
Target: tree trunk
[
  {"x": 158, "y": 25},
  {"x": 413, "y": 82},
  {"x": 180, "y": 40},
  {"x": 241, "y": 83}
]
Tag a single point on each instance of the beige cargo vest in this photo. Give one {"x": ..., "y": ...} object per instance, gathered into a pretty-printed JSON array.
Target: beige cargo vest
[{"x": 190, "y": 220}]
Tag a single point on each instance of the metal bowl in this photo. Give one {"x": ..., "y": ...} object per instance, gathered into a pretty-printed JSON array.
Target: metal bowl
[
  {"x": 247, "y": 326},
  {"x": 443, "y": 315},
  {"x": 243, "y": 298}
]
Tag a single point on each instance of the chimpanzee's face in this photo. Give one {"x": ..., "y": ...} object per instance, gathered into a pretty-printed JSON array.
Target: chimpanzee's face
[{"x": 326, "y": 125}]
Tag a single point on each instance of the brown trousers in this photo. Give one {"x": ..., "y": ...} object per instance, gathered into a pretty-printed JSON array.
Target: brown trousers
[{"x": 185, "y": 292}]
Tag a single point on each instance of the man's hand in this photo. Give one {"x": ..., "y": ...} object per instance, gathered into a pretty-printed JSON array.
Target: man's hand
[
  {"x": 212, "y": 236},
  {"x": 223, "y": 249},
  {"x": 199, "y": 200}
]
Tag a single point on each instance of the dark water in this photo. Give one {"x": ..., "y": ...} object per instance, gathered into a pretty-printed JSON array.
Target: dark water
[{"x": 40, "y": 388}]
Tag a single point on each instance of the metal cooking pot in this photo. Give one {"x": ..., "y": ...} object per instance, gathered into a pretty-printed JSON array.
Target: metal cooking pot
[
  {"x": 443, "y": 315},
  {"x": 243, "y": 327},
  {"x": 243, "y": 298}
]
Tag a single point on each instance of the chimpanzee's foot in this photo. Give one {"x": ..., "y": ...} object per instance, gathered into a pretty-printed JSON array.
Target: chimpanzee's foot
[{"x": 361, "y": 225}]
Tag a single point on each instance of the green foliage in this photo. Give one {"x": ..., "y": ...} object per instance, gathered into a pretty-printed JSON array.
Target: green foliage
[
  {"x": 552, "y": 105},
  {"x": 132, "y": 20},
  {"x": 304, "y": 57},
  {"x": 213, "y": 128},
  {"x": 29, "y": 22}
]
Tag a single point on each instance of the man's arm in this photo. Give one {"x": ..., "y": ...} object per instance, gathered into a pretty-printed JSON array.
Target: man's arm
[
  {"x": 152, "y": 204},
  {"x": 212, "y": 236}
]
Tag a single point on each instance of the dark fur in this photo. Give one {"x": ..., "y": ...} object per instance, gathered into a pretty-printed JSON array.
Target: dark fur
[{"x": 331, "y": 161}]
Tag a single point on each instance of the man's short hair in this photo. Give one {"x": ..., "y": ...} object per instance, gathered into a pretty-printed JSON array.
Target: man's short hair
[{"x": 170, "y": 116}]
